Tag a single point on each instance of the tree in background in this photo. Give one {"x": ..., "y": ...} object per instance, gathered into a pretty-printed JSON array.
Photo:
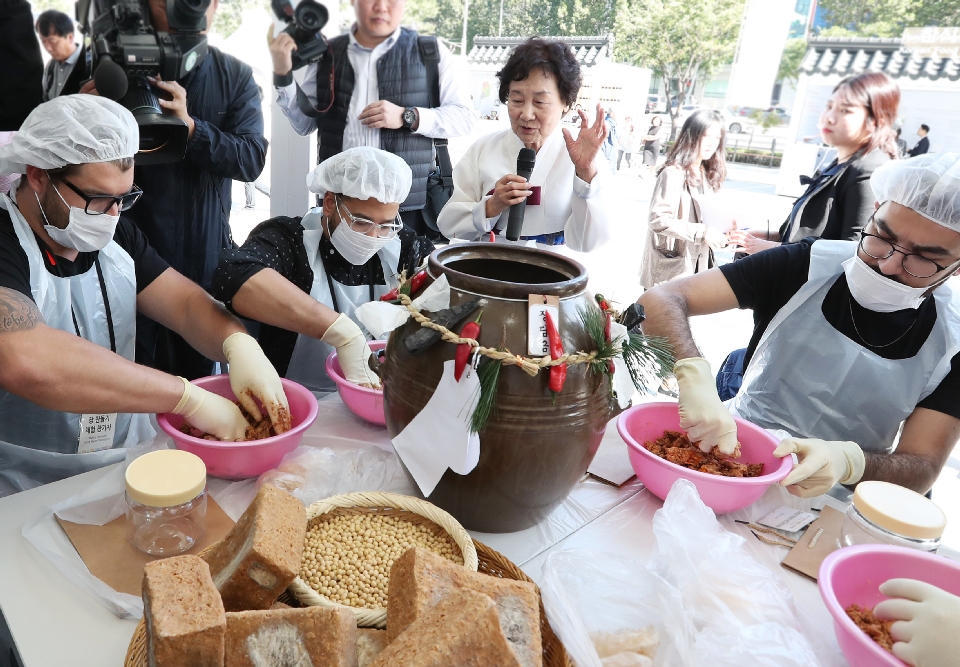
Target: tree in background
[
  {"x": 792, "y": 58},
  {"x": 886, "y": 18},
  {"x": 680, "y": 41}
]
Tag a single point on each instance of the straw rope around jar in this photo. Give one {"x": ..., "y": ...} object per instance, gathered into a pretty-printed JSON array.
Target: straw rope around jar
[
  {"x": 530, "y": 365},
  {"x": 406, "y": 508}
]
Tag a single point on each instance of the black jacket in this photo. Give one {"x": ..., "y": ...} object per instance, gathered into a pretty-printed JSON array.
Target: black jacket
[
  {"x": 21, "y": 66},
  {"x": 923, "y": 146},
  {"x": 185, "y": 208},
  {"x": 839, "y": 207},
  {"x": 79, "y": 74}
]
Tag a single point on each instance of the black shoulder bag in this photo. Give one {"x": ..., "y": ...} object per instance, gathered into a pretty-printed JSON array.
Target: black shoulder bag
[{"x": 440, "y": 180}]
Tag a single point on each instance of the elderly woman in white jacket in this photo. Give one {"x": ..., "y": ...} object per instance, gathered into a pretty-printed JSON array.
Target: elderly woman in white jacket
[{"x": 567, "y": 194}]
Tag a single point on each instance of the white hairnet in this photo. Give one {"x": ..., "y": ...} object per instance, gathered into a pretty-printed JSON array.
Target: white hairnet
[
  {"x": 929, "y": 184},
  {"x": 72, "y": 129},
  {"x": 363, "y": 173}
]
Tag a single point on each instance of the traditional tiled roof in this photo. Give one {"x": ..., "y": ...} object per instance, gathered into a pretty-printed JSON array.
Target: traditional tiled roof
[
  {"x": 852, "y": 55},
  {"x": 494, "y": 51}
]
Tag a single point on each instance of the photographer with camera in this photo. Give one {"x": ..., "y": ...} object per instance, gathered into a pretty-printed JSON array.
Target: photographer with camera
[
  {"x": 382, "y": 82},
  {"x": 185, "y": 208}
]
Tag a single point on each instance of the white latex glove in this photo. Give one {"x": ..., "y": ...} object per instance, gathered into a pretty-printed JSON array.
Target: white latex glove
[
  {"x": 822, "y": 464},
  {"x": 253, "y": 376},
  {"x": 927, "y": 628},
  {"x": 211, "y": 413},
  {"x": 702, "y": 414},
  {"x": 353, "y": 351}
]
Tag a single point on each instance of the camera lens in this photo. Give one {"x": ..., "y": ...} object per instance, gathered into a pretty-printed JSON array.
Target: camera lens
[{"x": 310, "y": 15}]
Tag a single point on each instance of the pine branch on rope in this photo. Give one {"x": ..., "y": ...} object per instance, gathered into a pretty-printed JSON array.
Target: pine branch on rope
[
  {"x": 647, "y": 357},
  {"x": 489, "y": 374}
]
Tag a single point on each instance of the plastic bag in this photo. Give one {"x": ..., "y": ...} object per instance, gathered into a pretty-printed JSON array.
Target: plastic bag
[
  {"x": 98, "y": 504},
  {"x": 710, "y": 600},
  {"x": 312, "y": 474}
]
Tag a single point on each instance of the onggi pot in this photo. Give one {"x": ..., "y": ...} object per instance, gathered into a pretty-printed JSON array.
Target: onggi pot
[{"x": 534, "y": 447}]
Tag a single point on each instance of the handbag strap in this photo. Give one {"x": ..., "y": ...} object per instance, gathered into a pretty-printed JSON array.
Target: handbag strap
[{"x": 430, "y": 55}]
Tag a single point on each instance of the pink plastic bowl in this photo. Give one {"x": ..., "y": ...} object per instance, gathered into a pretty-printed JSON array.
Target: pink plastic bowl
[
  {"x": 363, "y": 402},
  {"x": 853, "y": 576},
  {"x": 648, "y": 421},
  {"x": 239, "y": 460}
]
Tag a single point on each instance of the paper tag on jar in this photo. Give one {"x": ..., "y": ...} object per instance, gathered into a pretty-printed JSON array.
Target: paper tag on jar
[
  {"x": 439, "y": 437},
  {"x": 96, "y": 432},
  {"x": 538, "y": 344}
]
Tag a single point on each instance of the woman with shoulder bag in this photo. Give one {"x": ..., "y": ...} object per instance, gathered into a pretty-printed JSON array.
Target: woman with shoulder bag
[
  {"x": 678, "y": 242},
  {"x": 858, "y": 121}
]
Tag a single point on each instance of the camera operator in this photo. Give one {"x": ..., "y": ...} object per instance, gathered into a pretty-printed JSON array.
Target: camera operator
[
  {"x": 68, "y": 60},
  {"x": 185, "y": 208},
  {"x": 380, "y": 96}
]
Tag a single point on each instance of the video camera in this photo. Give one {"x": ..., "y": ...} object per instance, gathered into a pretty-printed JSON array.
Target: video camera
[
  {"x": 127, "y": 48},
  {"x": 304, "y": 23}
]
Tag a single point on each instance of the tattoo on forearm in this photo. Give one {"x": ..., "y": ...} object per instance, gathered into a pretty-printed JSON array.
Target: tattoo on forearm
[{"x": 17, "y": 311}]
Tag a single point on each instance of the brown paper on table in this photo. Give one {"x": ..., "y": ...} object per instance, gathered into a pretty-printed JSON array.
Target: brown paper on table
[
  {"x": 820, "y": 539},
  {"x": 117, "y": 563}
]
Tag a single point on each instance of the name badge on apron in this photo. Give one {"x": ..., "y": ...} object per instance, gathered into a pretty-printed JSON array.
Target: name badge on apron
[{"x": 96, "y": 432}]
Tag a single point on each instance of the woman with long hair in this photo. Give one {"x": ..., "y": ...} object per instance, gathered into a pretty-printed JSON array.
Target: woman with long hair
[
  {"x": 678, "y": 242},
  {"x": 859, "y": 122}
]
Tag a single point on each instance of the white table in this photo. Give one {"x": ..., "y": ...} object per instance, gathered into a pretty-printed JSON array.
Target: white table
[{"x": 54, "y": 623}]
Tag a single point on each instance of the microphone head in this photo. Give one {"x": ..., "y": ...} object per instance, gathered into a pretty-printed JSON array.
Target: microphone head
[
  {"x": 110, "y": 79},
  {"x": 526, "y": 159}
]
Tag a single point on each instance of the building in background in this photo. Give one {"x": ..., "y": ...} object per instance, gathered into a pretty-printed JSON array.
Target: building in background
[
  {"x": 926, "y": 66},
  {"x": 622, "y": 87}
]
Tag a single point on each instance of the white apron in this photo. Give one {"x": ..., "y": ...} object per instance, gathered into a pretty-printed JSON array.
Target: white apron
[
  {"x": 38, "y": 446},
  {"x": 307, "y": 364},
  {"x": 810, "y": 380}
]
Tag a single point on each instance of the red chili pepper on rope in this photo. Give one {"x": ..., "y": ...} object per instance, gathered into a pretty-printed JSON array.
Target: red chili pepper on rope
[
  {"x": 409, "y": 288},
  {"x": 558, "y": 374},
  {"x": 469, "y": 330},
  {"x": 602, "y": 302}
]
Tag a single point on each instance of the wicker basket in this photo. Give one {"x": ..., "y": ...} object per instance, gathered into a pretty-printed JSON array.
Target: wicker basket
[
  {"x": 489, "y": 562},
  {"x": 407, "y": 508}
]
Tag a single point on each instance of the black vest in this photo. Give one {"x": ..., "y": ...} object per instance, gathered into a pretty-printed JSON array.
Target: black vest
[{"x": 401, "y": 79}]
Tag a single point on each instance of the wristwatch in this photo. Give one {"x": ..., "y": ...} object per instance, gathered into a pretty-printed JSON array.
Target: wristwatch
[{"x": 410, "y": 117}]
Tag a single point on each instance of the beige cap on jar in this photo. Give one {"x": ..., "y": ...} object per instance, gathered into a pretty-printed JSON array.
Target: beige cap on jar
[
  {"x": 899, "y": 510},
  {"x": 165, "y": 478}
]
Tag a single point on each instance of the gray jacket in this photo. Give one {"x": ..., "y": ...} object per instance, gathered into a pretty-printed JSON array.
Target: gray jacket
[{"x": 675, "y": 236}]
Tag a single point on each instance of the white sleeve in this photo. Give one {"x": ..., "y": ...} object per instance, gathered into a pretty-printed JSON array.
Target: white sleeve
[
  {"x": 464, "y": 215},
  {"x": 588, "y": 227},
  {"x": 287, "y": 101},
  {"x": 455, "y": 116}
]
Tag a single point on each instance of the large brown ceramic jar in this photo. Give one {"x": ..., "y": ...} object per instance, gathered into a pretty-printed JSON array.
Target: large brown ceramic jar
[{"x": 534, "y": 448}]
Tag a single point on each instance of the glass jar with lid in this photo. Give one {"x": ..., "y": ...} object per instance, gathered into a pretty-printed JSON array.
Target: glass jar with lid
[
  {"x": 166, "y": 502},
  {"x": 884, "y": 513}
]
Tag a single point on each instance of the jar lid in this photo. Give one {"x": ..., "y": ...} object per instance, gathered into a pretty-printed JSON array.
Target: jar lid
[
  {"x": 165, "y": 478},
  {"x": 899, "y": 510}
]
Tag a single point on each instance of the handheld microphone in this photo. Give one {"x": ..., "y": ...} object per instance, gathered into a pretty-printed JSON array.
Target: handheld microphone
[
  {"x": 110, "y": 79},
  {"x": 525, "y": 162}
]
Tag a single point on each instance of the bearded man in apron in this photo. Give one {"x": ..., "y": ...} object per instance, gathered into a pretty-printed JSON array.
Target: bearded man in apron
[
  {"x": 303, "y": 278},
  {"x": 855, "y": 342},
  {"x": 73, "y": 276}
]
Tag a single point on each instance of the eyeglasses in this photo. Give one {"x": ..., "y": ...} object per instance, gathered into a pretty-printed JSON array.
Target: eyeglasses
[
  {"x": 365, "y": 226},
  {"x": 100, "y": 204},
  {"x": 917, "y": 266}
]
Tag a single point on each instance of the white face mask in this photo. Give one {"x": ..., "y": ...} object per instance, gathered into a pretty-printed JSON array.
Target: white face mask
[
  {"x": 878, "y": 293},
  {"x": 355, "y": 247},
  {"x": 86, "y": 233}
]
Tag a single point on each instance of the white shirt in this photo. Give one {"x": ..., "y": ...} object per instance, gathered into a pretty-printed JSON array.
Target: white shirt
[
  {"x": 455, "y": 116},
  {"x": 567, "y": 203}
]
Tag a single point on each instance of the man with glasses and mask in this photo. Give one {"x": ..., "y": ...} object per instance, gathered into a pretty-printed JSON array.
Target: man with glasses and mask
[
  {"x": 74, "y": 274},
  {"x": 303, "y": 278},
  {"x": 852, "y": 340}
]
